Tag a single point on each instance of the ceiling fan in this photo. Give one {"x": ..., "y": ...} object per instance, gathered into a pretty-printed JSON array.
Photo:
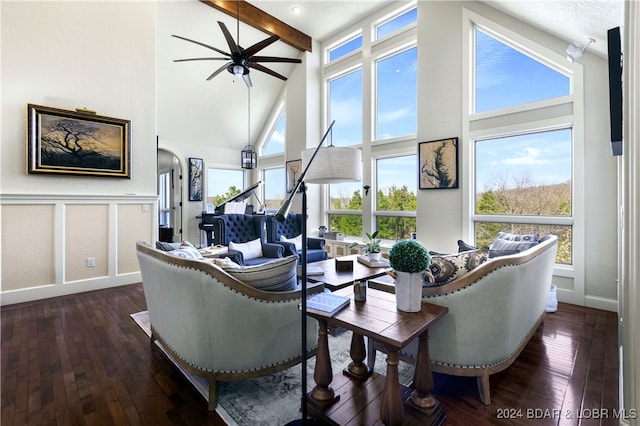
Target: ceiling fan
[{"x": 240, "y": 60}]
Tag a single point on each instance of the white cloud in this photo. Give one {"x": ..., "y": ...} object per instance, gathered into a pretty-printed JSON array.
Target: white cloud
[
  {"x": 394, "y": 115},
  {"x": 529, "y": 156}
]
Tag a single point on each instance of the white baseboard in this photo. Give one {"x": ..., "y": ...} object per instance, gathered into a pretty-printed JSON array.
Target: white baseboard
[
  {"x": 596, "y": 302},
  {"x": 53, "y": 290}
]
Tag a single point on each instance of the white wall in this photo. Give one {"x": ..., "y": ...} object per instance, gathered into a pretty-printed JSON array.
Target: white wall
[
  {"x": 440, "y": 222},
  {"x": 108, "y": 63},
  {"x": 99, "y": 55}
]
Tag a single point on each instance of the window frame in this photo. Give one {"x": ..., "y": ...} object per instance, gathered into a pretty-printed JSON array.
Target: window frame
[
  {"x": 365, "y": 59},
  {"x": 540, "y": 116}
]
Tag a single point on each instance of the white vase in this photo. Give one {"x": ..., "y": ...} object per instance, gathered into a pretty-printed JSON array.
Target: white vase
[
  {"x": 408, "y": 291},
  {"x": 374, "y": 257}
]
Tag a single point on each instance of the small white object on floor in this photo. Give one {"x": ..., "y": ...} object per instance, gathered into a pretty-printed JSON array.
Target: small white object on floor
[{"x": 552, "y": 302}]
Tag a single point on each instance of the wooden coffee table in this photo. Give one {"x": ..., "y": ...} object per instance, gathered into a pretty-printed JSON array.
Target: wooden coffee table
[
  {"x": 335, "y": 280},
  {"x": 379, "y": 319}
]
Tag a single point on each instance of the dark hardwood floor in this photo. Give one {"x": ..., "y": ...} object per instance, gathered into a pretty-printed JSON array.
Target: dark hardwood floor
[{"x": 80, "y": 359}]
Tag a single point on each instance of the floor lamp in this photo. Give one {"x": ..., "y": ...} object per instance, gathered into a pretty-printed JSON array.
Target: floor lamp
[{"x": 330, "y": 165}]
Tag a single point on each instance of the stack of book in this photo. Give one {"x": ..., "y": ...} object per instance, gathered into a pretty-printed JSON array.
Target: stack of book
[
  {"x": 326, "y": 303},
  {"x": 382, "y": 263}
]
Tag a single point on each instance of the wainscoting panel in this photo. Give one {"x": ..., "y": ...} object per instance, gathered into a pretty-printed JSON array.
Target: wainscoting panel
[
  {"x": 49, "y": 243},
  {"x": 27, "y": 246}
]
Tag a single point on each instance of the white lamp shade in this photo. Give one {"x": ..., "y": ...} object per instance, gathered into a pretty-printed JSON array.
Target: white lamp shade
[{"x": 333, "y": 164}]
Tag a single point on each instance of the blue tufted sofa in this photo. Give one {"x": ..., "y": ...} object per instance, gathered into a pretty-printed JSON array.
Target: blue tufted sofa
[
  {"x": 242, "y": 228},
  {"x": 290, "y": 228}
]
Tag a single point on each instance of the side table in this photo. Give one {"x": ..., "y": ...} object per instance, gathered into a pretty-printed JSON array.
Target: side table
[{"x": 379, "y": 319}]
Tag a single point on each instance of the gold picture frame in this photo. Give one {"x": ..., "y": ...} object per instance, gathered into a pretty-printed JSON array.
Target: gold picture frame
[
  {"x": 438, "y": 163},
  {"x": 77, "y": 143}
]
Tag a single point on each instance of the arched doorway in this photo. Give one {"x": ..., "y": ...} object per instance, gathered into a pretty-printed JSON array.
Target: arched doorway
[{"x": 170, "y": 196}]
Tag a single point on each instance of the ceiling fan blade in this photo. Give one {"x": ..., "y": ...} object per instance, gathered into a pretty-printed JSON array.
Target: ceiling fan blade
[
  {"x": 247, "y": 80},
  {"x": 201, "y": 44},
  {"x": 219, "y": 70},
  {"x": 233, "y": 47},
  {"x": 252, "y": 50},
  {"x": 267, "y": 71},
  {"x": 275, "y": 59},
  {"x": 201, "y": 59}
]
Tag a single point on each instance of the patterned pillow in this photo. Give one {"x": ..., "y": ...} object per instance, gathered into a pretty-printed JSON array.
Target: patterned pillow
[
  {"x": 518, "y": 237},
  {"x": 250, "y": 250},
  {"x": 276, "y": 275},
  {"x": 186, "y": 252},
  {"x": 447, "y": 268},
  {"x": 297, "y": 241}
]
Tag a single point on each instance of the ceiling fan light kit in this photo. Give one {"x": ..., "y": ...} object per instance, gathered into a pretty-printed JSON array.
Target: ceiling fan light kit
[{"x": 240, "y": 60}]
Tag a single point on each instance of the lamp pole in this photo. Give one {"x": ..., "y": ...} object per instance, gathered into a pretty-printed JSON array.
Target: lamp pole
[{"x": 280, "y": 216}]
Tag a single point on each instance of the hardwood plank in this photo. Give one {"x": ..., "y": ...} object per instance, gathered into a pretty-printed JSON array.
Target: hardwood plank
[{"x": 80, "y": 359}]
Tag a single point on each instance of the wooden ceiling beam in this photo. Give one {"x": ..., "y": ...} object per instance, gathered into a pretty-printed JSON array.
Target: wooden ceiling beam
[{"x": 251, "y": 15}]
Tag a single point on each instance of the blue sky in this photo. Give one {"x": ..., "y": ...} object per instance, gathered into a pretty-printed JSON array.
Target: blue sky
[{"x": 504, "y": 77}]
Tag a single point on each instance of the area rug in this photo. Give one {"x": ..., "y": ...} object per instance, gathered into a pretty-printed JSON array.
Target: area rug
[{"x": 274, "y": 399}]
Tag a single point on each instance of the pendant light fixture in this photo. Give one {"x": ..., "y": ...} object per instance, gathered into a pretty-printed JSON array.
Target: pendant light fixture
[{"x": 248, "y": 155}]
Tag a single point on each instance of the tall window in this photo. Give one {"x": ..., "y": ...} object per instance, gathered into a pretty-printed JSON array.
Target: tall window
[
  {"x": 396, "y": 95},
  {"x": 274, "y": 188},
  {"x": 523, "y": 177},
  {"x": 164, "y": 207},
  {"x": 396, "y": 199},
  {"x": 397, "y": 23},
  {"x": 345, "y": 208},
  {"x": 223, "y": 184},
  {"x": 506, "y": 77},
  {"x": 372, "y": 94},
  {"x": 275, "y": 141},
  {"x": 345, "y": 106},
  {"x": 344, "y": 48}
]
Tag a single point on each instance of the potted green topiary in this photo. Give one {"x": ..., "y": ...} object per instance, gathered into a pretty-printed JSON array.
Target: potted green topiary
[
  {"x": 372, "y": 248},
  {"x": 408, "y": 259}
]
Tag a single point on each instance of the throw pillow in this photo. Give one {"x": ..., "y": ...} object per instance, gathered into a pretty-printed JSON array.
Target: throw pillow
[
  {"x": 445, "y": 269},
  {"x": 250, "y": 249},
  {"x": 276, "y": 275},
  {"x": 161, "y": 245},
  {"x": 501, "y": 244},
  {"x": 297, "y": 241},
  {"x": 462, "y": 246},
  {"x": 225, "y": 263},
  {"x": 186, "y": 252},
  {"x": 188, "y": 244},
  {"x": 518, "y": 237}
]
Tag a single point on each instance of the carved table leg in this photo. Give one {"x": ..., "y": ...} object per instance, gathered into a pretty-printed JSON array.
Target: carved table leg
[
  {"x": 392, "y": 412},
  {"x": 357, "y": 369},
  {"x": 322, "y": 394},
  {"x": 422, "y": 398}
]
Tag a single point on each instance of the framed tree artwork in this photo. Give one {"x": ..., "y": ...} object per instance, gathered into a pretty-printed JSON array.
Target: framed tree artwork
[
  {"x": 293, "y": 169},
  {"x": 195, "y": 179},
  {"x": 77, "y": 143},
  {"x": 438, "y": 164}
]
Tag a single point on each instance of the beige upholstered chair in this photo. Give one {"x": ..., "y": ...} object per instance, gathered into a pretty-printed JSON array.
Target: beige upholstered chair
[
  {"x": 217, "y": 326},
  {"x": 493, "y": 312}
]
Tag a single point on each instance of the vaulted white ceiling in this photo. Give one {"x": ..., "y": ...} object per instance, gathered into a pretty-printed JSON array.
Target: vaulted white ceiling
[{"x": 225, "y": 99}]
